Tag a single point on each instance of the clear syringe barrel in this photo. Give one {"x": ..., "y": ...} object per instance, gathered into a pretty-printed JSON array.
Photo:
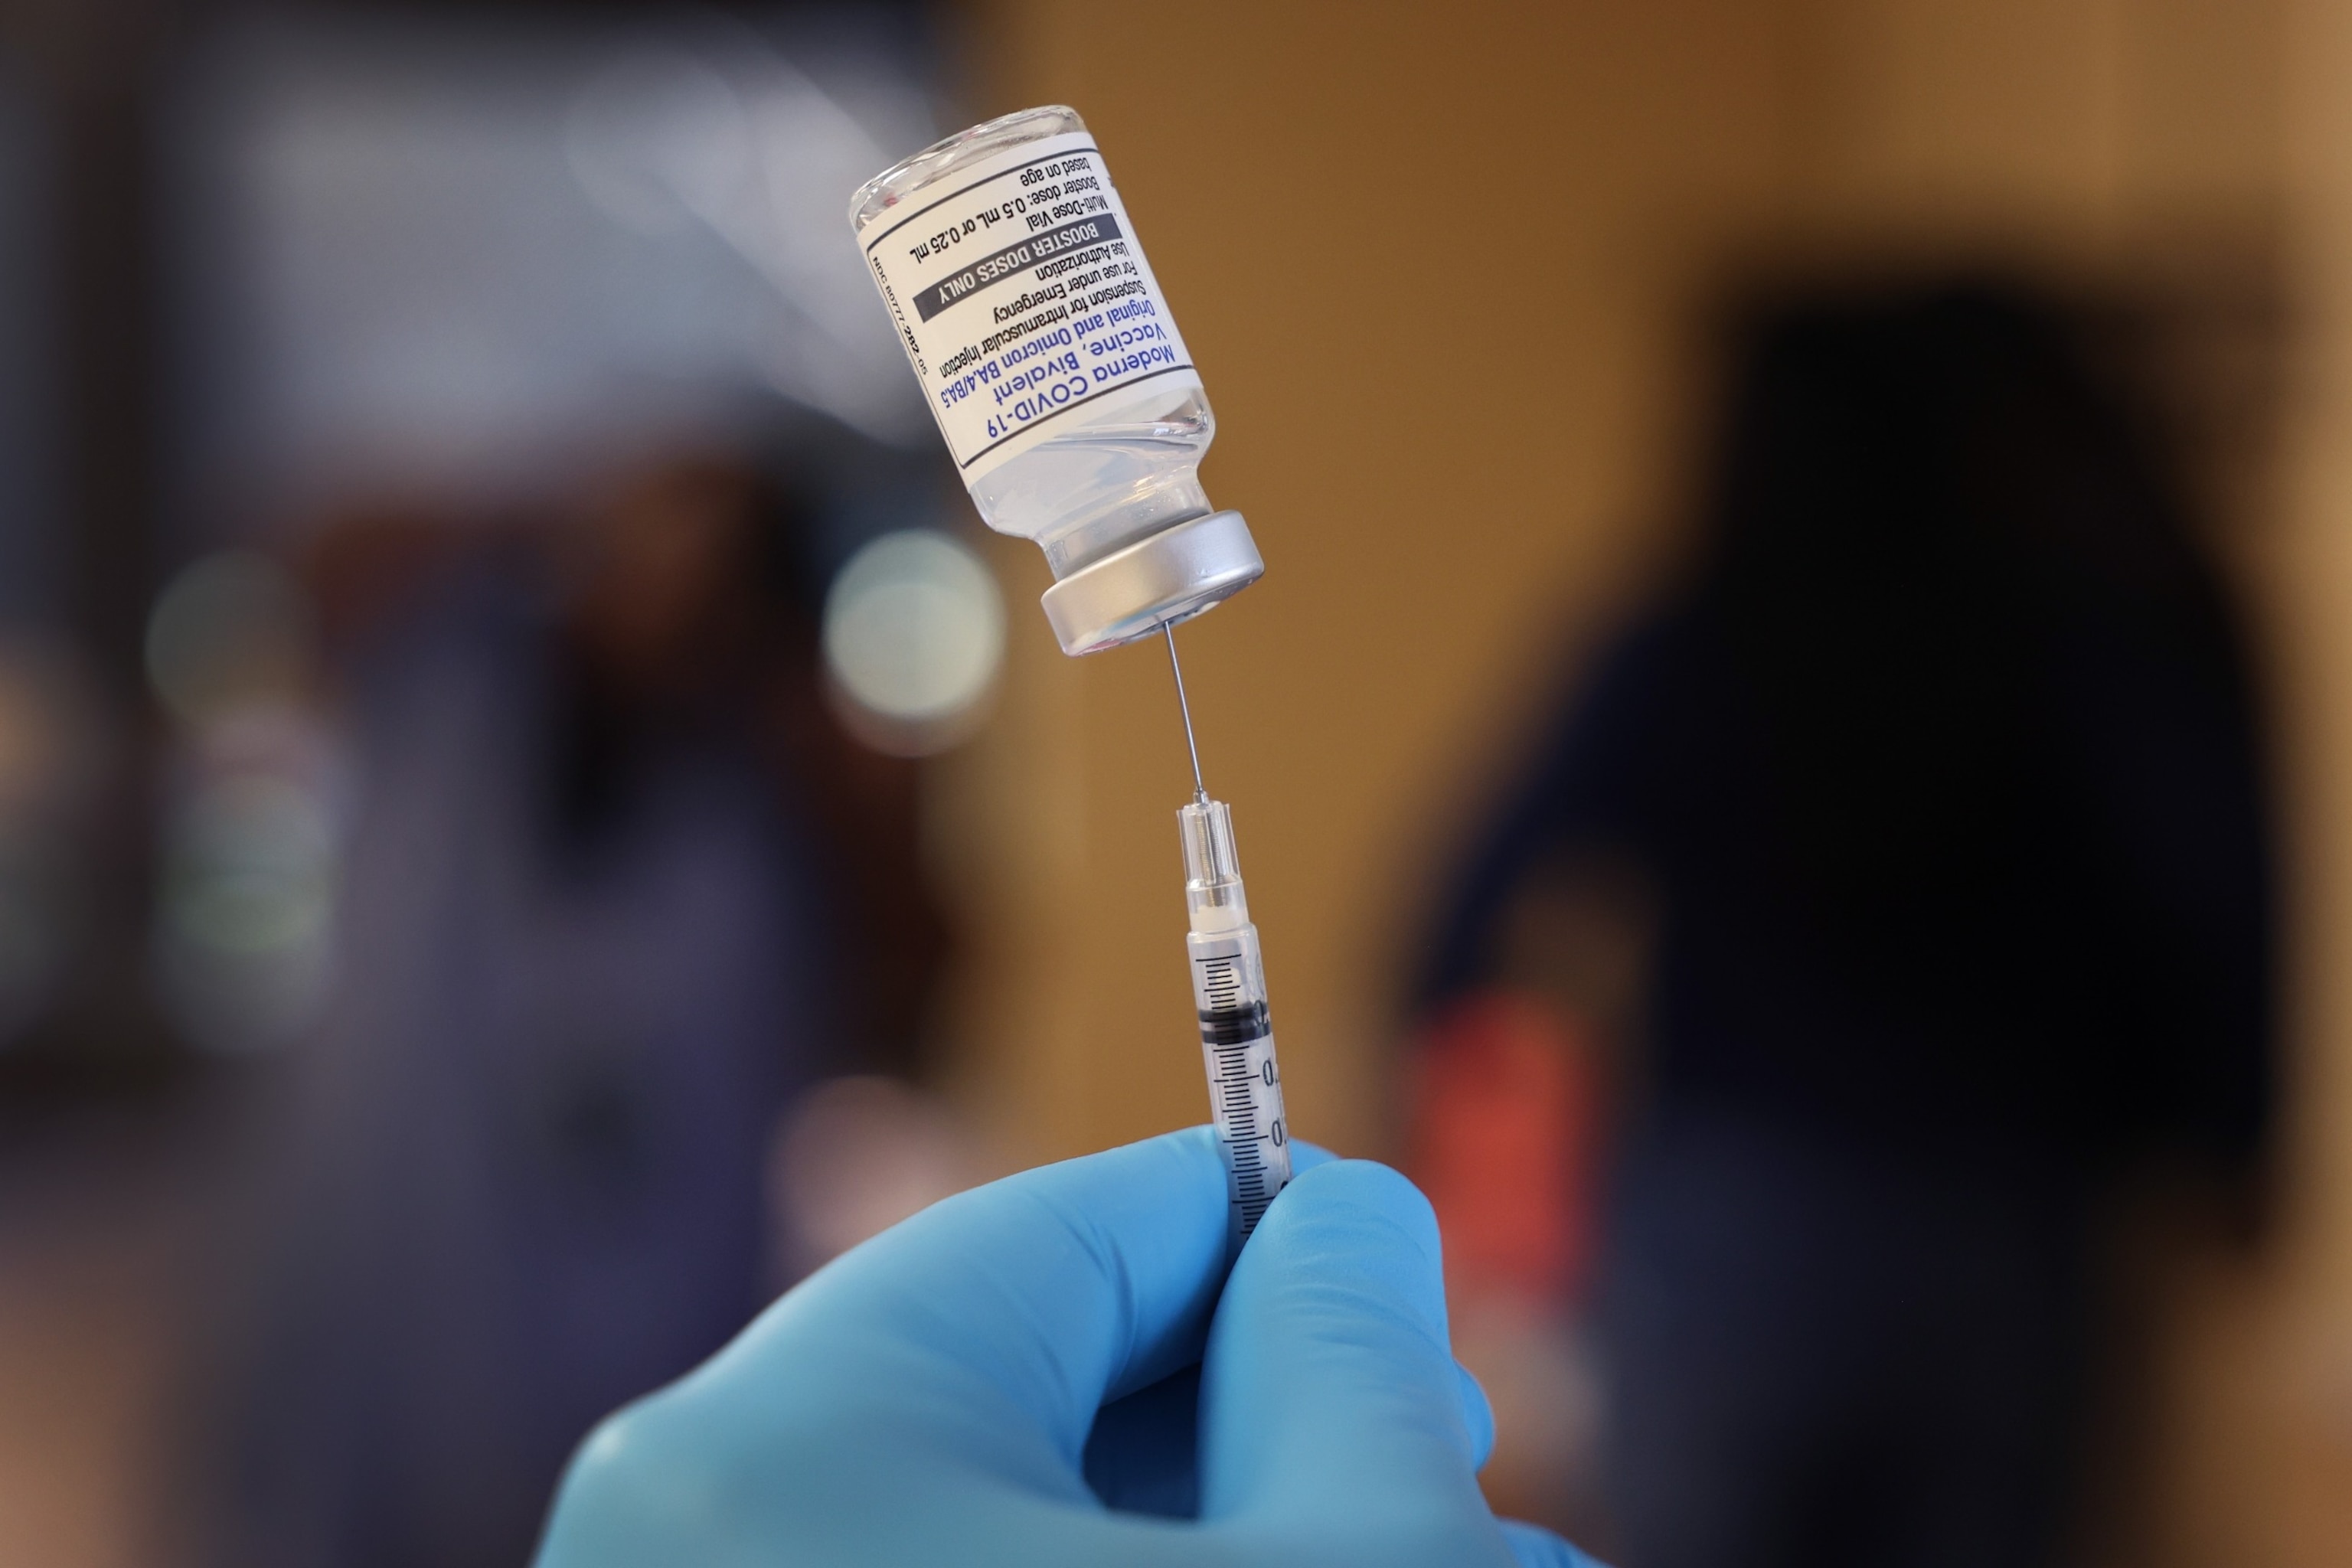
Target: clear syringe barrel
[{"x": 1237, "y": 1037}]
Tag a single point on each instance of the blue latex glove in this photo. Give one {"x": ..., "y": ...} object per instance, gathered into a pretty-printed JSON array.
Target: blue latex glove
[{"x": 969, "y": 1388}]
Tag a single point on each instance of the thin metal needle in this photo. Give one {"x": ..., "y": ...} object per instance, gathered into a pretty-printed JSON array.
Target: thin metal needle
[{"x": 1199, "y": 790}]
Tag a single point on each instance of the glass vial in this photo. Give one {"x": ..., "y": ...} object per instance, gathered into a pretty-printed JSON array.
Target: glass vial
[{"x": 1054, "y": 369}]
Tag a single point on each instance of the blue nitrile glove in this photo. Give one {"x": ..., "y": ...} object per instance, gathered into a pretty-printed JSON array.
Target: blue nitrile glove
[{"x": 969, "y": 1387}]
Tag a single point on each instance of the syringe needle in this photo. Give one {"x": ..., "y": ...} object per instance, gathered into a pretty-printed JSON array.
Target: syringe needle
[
  {"x": 1229, "y": 993},
  {"x": 1199, "y": 790}
]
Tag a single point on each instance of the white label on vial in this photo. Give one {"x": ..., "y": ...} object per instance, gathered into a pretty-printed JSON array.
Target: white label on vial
[{"x": 1022, "y": 297}]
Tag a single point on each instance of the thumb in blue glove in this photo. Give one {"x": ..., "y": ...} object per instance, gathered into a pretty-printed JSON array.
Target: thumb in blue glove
[{"x": 972, "y": 1385}]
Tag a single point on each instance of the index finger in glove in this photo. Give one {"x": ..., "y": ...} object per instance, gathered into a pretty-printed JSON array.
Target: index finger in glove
[
  {"x": 941, "y": 1378},
  {"x": 1017, "y": 1308}
]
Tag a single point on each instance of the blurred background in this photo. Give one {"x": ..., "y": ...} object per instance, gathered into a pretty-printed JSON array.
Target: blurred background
[{"x": 1790, "y": 759}]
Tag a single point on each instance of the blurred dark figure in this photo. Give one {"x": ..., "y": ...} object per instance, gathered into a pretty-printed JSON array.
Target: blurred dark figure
[
  {"x": 1941, "y": 768},
  {"x": 617, "y": 888}
]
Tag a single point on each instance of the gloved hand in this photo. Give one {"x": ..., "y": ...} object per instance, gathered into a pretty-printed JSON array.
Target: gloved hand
[{"x": 1012, "y": 1377}]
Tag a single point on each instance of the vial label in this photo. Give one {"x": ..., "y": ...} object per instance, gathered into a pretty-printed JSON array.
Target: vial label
[{"x": 1022, "y": 298}]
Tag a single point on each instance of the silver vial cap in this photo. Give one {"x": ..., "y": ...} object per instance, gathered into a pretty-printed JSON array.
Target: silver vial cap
[{"x": 1170, "y": 576}]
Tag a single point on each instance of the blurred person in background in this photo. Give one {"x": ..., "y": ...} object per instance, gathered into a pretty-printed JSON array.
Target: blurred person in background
[
  {"x": 618, "y": 887},
  {"x": 1940, "y": 772}
]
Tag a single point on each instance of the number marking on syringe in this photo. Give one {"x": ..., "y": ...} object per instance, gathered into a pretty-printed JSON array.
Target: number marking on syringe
[{"x": 1229, "y": 1028}]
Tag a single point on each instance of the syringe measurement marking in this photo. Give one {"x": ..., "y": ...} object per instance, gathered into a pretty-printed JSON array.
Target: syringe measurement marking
[
  {"x": 1222, "y": 987},
  {"x": 1230, "y": 1026},
  {"x": 1249, "y": 1167}
]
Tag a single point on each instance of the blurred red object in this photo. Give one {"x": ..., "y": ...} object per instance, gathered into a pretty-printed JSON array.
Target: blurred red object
[{"x": 1504, "y": 1135}]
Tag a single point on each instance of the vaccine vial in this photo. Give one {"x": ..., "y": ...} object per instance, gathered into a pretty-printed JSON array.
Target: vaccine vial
[{"x": 1050, "y": 360}]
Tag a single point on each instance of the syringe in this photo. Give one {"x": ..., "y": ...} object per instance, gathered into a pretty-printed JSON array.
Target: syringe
[{"x": 1229, "y": 991}]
